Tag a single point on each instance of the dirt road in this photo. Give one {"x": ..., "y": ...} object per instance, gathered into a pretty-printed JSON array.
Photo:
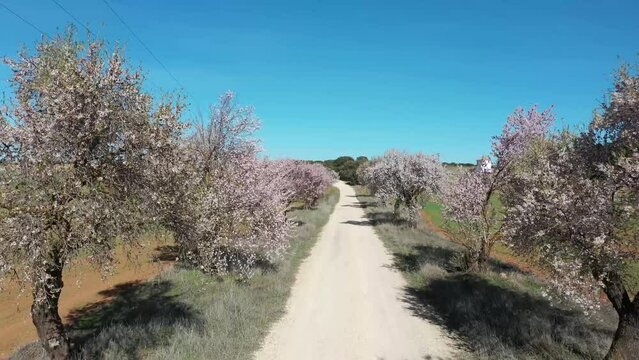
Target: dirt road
[{"x": 347, "y": 301}]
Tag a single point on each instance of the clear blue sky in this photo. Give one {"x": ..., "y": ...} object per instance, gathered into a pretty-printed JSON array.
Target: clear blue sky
[{"x": 337, "y": 77}]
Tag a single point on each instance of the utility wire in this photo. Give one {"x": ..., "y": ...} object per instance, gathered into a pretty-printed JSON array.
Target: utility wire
[
  {"x": 24, "y": 20},
  {"x": 85, "y": 27},
  {"x": 89, "y": 30},
  {"x": 72, "y": 17},
  {"x": 142, "y": 43}
]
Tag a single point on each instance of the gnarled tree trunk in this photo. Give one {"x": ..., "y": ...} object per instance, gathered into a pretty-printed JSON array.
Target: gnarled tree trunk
[
  {"x": 625, "y": 344},
  {"x": 44, "y": 310},
  {"x": 413, "y": 213},
  {"x": 476, "y": 261},
  {"x": 484, "y": 254},
  {"x": 477, "y": 258},
  {"x": 482, "y": 261},
  {"x": 398, "y": 203}
]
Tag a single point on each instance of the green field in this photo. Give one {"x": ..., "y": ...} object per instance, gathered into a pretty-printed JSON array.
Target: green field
[{"x": 434, "y": 212}]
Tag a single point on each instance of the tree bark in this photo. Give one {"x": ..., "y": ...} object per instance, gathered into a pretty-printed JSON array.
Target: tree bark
[
  {"x": 398, "y": 203},
  {"x": 482, "y": 261},
  {"x": 484, "y": 255},
  {"x": 413, "y": 213},
  {"x": 44, "y": 310},
  {"x": 625, "y": 344},
  {"x": 477, "y": 259}
]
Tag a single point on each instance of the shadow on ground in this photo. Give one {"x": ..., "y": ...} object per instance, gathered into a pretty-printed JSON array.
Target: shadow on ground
[
  {"x": 131, "y": 317},
  {"x": 421, "y": 254},
  {"x": 166, "y": 253},
  {"x": 499, "y": 321},
  {"x": 444, "y": 257},
  {"x": 140, "y": 313},
  {"x": 498, "y": 315},
  {"x": 362, "y": 204}
]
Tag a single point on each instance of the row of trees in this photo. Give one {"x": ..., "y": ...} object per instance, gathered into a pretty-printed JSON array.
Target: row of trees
[
  {"x": 87, "y": 157},
  {"x": 579, "y": 210},
  {"x": 568, "y": 200}
]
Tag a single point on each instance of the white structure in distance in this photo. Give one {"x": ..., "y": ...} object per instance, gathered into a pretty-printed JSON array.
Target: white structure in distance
[{"x": 484, "y": 165}]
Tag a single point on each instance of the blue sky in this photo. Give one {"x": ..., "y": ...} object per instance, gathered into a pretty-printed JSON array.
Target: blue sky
[{"x": 339, "y": 77}]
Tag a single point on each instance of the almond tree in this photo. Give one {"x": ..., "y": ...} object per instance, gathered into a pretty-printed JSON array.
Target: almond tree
[
  {"x": 578, "y": 211},
  {"x": 240, "y": 219},
  {"x": 471, "y": 218},
  {"x": 77, "y": 144},
  {"x": 400, "y": 177},
  {"x": 471, "y": 209},
  {"x": 225, "y": 205},
  {"x": 306, "y": 181}
]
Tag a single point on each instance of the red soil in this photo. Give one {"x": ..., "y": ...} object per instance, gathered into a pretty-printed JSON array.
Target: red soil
[{"x": 82, "y": 286}]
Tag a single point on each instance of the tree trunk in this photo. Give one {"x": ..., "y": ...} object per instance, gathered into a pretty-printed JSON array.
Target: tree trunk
[
  {"x": 44, "y": 310},
  {"x": 413, "y": 213},
  {"x": 398, "y": 203},
  {"x": 482, "y": 261},
  {"x": 625, "y": 344},
  {"x": 472, "y": 266},
  {"x": 477, "y": 259},
  {"x": 471, "y": 260},
  {"x": 484, "y": 255}
]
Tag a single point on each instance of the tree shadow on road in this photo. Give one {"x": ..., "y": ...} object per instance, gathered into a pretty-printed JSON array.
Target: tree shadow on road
[
  {"x": 358, "y": 222},
  {"x": 358, "y": 205},
  {"x": 503, "y": 323},
  {"x": 498, "y": 315}
]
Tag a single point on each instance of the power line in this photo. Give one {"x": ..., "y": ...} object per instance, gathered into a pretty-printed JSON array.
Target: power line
[
  {"x": 24, "y": 20},
  {"x": 72, "y": 17},
  {"x": 142, "y": 43},
  {"x": 84, "y": 26}
]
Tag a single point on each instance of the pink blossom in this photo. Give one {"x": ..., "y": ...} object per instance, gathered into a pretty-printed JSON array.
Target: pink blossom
[
  {"x": 306, "y": 181},
  {"x": 400, "y": 177},
  {"x": 472, "y": 218}
]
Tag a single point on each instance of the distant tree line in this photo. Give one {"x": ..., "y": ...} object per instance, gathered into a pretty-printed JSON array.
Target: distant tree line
[
  {"x": 465, "y": 164},
  {"x": 346, "y": 167}
]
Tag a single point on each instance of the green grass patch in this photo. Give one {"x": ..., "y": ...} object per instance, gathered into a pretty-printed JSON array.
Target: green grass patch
[
  {"x": 631, "y": 277},
  {"x": 434, "y": 212}
]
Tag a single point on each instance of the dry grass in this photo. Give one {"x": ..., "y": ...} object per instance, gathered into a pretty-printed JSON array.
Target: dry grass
[
  {"x": 183, "y": 314},
  {"x": 500, "y": 314}
]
